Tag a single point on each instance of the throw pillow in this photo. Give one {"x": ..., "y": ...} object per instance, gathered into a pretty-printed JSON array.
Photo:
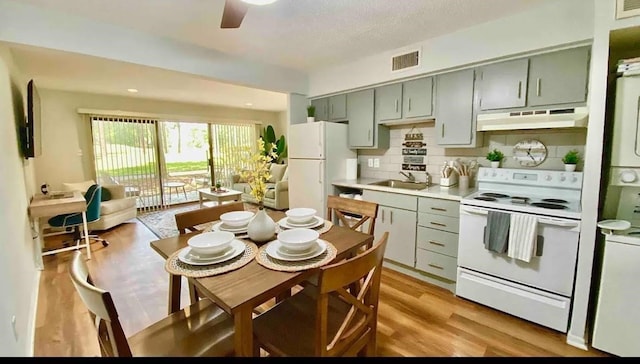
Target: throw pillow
[
  {"x": 106, "y": 195},
  {"x": 78, "y": 186},
  {"x": 276, "y": 171}
]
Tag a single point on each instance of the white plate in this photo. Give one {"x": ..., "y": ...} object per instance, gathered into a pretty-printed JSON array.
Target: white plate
[
  {"x": 313, "y": 224},
  {"x": 220, "y": 226},
  {"x": 237, "y": 248},
  {"x": 274, "y": 250}
]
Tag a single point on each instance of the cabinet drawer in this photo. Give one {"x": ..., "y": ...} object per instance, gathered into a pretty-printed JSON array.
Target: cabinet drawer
[
  {"x": 439, "y": 207},
  {"x": 396, "y": 200},
  {"x": 436, "y": 264},
  {"x": 440, "y": 222},
  {"x": 438, "y": 241}
]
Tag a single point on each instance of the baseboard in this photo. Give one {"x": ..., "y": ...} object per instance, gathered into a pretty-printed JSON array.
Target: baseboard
[
  {"x": 33, "y": 311},
  {"x": 577, "y": 341}
]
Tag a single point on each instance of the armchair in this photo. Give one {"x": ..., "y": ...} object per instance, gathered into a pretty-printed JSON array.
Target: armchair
[{"x": 277, "y": 195}]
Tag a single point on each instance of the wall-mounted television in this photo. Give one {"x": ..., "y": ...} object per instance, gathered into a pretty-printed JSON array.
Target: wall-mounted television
[{"x": 32, "y": 143}]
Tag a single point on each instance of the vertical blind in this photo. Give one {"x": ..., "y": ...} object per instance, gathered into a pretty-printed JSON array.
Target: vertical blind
[
  {"x": 125, "y": 152},
  {"x": 227, "y": 141}
]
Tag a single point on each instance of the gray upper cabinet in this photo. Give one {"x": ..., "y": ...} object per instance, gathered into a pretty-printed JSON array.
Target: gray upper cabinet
[
  {"x": 361, "y": 118},
  {"x": 417, "y": 98},
  {"x": 504, "y": 85},
  {"x": 389, "y": 102},
  {"x": 322, "y": 108},
  {"x": 338, "y": 107},
  {"x": 559, "y": 77},
  {"x": 454, "y": 108}
]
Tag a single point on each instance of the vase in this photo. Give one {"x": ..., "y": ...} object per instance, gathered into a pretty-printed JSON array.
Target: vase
[
  {"x": 495, "y": 164},
  {"x": 311, "y": 119},
  {"x": 569, "y": 167},
  {"x": 261, "y": 228}
]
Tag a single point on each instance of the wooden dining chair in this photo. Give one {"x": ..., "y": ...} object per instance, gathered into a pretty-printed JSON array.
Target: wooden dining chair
[
  {"x": 346, "y": 209},
  {"x": 202, "y": 329},
  {"x": 328, "y": 320},
  {"x": 187, "y": 221}
]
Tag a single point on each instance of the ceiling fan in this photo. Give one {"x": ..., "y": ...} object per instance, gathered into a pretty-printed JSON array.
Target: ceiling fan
[{"x": 235, "y": 10}]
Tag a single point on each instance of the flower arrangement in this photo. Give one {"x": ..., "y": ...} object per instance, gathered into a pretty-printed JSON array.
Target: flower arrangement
[
  {"x": 572, "y": 157},
  {"x": 256, "y": 170}
]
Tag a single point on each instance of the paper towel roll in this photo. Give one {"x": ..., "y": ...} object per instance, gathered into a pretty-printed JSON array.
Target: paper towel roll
[{"x": 352, "y": 168}]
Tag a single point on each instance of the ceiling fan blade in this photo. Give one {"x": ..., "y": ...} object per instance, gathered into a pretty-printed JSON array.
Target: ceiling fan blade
[{"x": 234, "y": 11}]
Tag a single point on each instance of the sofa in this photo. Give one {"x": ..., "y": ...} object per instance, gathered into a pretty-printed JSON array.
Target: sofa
[
  {"x": 277, "y": 194},
  {"x": 115, "y": 207}
]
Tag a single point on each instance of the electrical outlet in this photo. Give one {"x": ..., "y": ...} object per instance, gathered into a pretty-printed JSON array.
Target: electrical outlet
[
  {"x": 370, "y": 162},
  {"x": 376, "y": 163}
]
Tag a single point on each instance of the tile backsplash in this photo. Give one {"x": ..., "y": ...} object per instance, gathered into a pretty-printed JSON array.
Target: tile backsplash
[{"x": 557, "y": 141}]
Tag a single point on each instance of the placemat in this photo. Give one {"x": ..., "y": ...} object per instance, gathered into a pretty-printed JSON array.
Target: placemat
[
  {"x": 320, "y": 229},
  {"x": 173, "y": 265},
  {"x": 267, "y": 261}
]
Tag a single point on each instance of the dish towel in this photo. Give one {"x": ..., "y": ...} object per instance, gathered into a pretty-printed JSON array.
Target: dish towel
[
  {"x": 497, "y": 231},
  {"x": 523, "y": 237}
]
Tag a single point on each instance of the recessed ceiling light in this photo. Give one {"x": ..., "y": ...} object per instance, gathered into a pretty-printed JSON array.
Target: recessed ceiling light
[
  {"x": 259, "y": 2},
  {"x": 132, "y": 90},
  {"x": 248, "y": 104}
]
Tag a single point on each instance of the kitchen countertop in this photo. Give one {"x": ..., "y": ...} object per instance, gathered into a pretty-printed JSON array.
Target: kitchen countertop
[{"x": 434, "y": 191}]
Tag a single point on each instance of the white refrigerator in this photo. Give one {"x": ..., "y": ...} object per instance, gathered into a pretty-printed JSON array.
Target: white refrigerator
[{"x": 318, "y": 154}]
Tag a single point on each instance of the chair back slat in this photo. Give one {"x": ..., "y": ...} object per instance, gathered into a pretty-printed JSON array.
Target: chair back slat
[
  {"x": 364, "y": 270},
  {"x": 342, "y": 207},
  {"x": 111, "y": 337},
  {"x": 188, "y": 220}
]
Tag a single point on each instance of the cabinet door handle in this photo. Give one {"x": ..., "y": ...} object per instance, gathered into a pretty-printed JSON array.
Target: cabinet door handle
[
  {"x": 437, "y": 224},
  {"x": 442, "y": 130},
  {"x": 369, "y": 134},
  {"x": 435, "y": 243},
  {"x": 409, "y": 104},
  {"x": 519, "y": 89},
  {"x": 391, "y": 217},
  {"x": 396, "y": 105},
  {"x": 438, "y": 209},
  {"x": 331, "y": 110},
  {"x": 538, "y": 83},
  {"x": 435, "y": 266},
  {"x": 382, "y": 216}
]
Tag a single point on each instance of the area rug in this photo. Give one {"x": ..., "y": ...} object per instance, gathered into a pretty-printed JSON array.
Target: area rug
[{"x": 163, "y": 223}]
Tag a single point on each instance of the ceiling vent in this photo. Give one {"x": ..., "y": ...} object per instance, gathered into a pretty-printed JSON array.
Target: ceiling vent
[
  {"x": 406, "y": 61},
  {"x": 627, "y": 8}
]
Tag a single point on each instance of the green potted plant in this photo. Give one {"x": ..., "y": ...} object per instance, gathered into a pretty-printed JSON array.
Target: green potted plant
[
  {"x": 495, "y": 156},
  {"x": 570, "y": 160},
  {"x": 311, "y": 114}
]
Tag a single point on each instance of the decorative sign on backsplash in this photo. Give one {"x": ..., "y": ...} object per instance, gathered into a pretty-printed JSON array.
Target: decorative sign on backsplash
[
  {"x": 414, "y": 167},
  {"x": 414, "y": 151}
]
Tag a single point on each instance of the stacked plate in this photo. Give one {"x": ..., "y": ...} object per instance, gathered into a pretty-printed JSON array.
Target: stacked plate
[
  {"x": 236, "y": 222},
  {"x": 211, "y": 248},
  {"x": 296, "y": 245},
  {"x": 301, "y": 218}
]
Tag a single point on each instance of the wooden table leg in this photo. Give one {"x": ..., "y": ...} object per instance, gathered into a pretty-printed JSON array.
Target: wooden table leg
[
  {"x": 175, "y": 285},
  {"x": 243, "y": 336}
]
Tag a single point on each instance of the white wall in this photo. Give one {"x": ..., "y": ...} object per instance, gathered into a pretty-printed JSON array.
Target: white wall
[
  {"x": 18, "y": 275},
  {"x": 65, "y": 132},
  {"x": 553, "y": 24}
]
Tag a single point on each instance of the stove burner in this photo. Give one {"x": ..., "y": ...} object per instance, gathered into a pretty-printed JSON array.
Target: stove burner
[
  {"x": 494, "y": 195},
  {"x": 552, "y": 206},
  {"x": 484, "y": 198},
  {"x": 554, "y": 200}
]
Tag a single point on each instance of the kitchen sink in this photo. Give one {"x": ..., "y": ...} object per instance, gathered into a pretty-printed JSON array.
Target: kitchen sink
[{"x": 394, "y": 183}]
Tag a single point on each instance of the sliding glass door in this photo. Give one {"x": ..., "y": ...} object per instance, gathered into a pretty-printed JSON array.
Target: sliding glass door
[{"x": 226, "y": 142}]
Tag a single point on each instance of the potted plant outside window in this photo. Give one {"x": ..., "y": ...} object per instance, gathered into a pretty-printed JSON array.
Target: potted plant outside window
[
  {"x": 570, "y": 160},
  {"x": 495, "y": 157},
  {"x": 311, "y": 114}
]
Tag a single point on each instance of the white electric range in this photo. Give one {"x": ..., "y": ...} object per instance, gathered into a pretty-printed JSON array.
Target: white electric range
[{"x": 539, "y": 290}]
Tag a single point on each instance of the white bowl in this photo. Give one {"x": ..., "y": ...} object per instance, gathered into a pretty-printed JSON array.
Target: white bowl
[
  {"x": 300, "y": 215},
  {"x": 236, "y": 218},
  {"x": 298, "y": 239},
  {"x": 211, "y": 243}
]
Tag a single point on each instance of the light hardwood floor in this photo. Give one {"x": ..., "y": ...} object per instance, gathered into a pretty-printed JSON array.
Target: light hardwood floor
[{"x": 415, "y": 318}]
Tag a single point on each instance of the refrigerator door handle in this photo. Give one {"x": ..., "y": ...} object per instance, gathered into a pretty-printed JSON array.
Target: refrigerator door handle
[{"x": 320, "y": 172}]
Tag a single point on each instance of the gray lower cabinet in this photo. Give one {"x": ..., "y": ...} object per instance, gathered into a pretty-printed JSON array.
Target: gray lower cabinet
[
  {"x": 437, "y": 237},
  {"x": 322, "y": 109},
  {"x": 338, "y": 107},
  {"x": 454, "y": 108},
  {"x": 504, "y": 85},
  {"x": 417, "y": 100},
  {"x": 559, "y": 77},
  {"x": 397, "y": 215},
  {"x": 361, "y": 118},
  {"x": 389, "y": 102}
]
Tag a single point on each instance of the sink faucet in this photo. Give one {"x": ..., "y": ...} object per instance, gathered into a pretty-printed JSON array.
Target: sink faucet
[{"x": 410, "y": 177}]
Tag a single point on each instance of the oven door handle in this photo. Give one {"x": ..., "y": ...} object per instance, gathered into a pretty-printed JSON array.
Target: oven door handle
[
  {"x": 473, "y": 211},
  {"x": 554, "y": 222}
]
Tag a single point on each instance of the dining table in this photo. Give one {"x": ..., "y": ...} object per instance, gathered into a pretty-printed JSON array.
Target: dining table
[{"x": 239, "y": 291}]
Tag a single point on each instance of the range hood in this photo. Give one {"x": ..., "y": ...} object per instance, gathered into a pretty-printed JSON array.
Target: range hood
[{"x": 576, "y": 117}]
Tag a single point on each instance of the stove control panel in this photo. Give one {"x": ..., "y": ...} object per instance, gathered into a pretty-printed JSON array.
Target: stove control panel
[{"x": 533, "y": 177}]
